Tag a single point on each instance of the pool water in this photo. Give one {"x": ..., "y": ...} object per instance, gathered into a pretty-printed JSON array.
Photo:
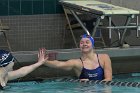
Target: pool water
[
  {"x": 65, "y": 87},
  {"x": 131, "y": 77},
  {"x": 58, "y": 85}
]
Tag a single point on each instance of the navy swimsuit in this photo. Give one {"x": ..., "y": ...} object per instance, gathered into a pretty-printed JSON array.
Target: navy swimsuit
[{"x": 94, "y": 74}]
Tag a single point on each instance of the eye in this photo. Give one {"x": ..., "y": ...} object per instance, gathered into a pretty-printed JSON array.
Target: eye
[
  {"x": 81, "y": 42},
  {"x": 88, "y": 42}
]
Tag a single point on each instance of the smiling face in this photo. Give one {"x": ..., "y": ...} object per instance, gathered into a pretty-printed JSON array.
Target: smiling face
[{"x": 86, "y": 45}]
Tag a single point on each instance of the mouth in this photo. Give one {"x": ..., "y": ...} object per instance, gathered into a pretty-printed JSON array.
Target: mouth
[{"x": 85, "y": 47}]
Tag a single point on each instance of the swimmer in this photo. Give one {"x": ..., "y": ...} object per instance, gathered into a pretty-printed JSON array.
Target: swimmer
[{"x": 90, "y": 66}]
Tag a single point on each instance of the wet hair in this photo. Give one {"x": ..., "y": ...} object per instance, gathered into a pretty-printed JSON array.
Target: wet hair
[
  {"x": 5, "y": 58},
  {"x": 90, "y": 37}
]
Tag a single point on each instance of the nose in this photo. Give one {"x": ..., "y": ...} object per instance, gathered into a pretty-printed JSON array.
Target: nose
[{"x": 84, "y": 44}]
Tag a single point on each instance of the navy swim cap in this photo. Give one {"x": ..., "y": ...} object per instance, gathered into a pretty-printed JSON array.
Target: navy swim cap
[
  {"x": 5, "y": 58},
  {"x": 90, "y": 37}
]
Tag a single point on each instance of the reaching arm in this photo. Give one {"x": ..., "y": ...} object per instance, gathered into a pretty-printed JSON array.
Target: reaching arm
[
  {"x": 23, "y": 71},
  {"x": 65, "y": 65}
]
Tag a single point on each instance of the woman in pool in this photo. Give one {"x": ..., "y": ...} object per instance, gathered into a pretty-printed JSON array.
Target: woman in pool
[
  {"x": 90, "y": 66},
  {"x": 7, "y": 63}
]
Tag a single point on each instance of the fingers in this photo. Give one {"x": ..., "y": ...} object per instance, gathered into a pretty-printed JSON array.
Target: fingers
[
  {"x": 84, "y": 80},
  {"x": 2, "y": 82},
  {"x": 42, "y": 52},
  {"x": 3, "y": 74}
]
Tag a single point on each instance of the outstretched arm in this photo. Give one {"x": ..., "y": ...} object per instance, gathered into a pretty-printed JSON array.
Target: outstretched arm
[
  {"x": 23, "y": 71},
  {"x": 65, "y": 65}
]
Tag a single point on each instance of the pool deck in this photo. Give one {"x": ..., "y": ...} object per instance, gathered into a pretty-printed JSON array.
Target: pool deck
[
  {"x": 65, "y": 54},
  {"x": 124, "y": 60}
]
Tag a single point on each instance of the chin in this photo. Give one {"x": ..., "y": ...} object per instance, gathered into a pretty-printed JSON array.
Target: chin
[{"x": 85, "y": 50}]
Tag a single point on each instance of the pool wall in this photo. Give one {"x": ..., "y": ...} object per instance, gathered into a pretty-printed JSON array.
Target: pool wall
[{"x": 124, "y": 60}]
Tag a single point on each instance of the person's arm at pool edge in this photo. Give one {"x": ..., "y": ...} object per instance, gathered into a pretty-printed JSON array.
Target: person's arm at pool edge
[
  {"x": 107, "y": 68},
  {"x": 65, "y": 65},
  {"x": 23, "y": 71}
]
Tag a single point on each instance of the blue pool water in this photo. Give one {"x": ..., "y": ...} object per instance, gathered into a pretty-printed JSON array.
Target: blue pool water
[
  {"x": 131, "y": 77},
  {"x": 58, "y": 85}
]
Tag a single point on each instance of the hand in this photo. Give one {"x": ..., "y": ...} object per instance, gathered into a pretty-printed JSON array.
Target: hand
[
  {"x": 3, "y": 75},
  {"x": 84, "y": 80},
  {"x": 42, "y": 57}
]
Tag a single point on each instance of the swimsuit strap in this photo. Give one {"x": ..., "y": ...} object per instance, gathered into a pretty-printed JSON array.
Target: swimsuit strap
[
  {"x": 81, "y": 61},
  {"x": 98, "y": 59}
]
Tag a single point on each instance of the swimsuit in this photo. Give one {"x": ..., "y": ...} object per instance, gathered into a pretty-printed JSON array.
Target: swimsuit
[{"x": 94, "y": 74}]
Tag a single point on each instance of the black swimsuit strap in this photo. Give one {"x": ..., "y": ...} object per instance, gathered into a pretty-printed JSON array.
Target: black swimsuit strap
[
  {"x": 98, "y": 59},
  {"x": 81, "y": 61}
]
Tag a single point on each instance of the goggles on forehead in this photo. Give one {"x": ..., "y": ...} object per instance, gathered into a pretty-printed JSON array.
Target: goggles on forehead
[{"x": 90, "y": 37}]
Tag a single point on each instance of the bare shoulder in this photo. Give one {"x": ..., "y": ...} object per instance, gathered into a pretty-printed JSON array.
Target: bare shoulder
[
  {"x": 104, "y": 59},
  {"x": 104, "y": 56}
]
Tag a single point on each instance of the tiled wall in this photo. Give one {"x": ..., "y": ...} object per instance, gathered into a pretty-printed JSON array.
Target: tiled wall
[
  {"x": 30, "y": 32},
  {"x": 29, "y": 7},
  {"x": 33, "y": 24}
]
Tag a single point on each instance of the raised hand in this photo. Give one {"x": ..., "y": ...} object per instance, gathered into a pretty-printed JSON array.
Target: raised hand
[{"x": 42, "y": 56}]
